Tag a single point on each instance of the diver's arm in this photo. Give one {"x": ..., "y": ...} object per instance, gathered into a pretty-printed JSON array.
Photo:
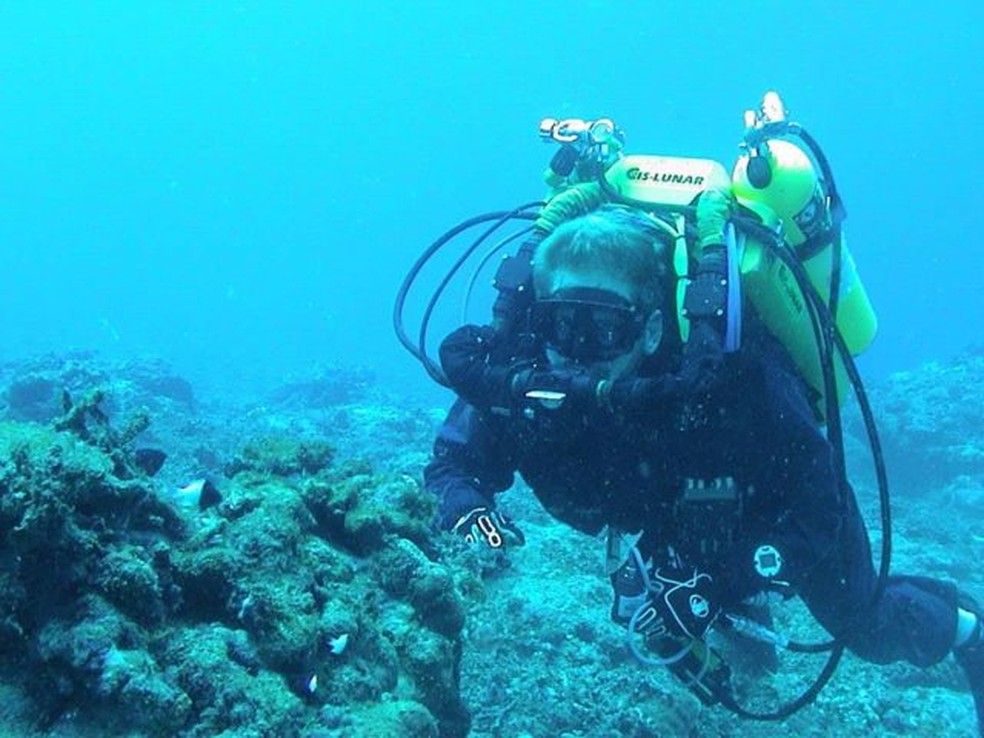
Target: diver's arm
[
  {"x": 803, "y": 463},
  {"x": 795, "y": 466},
  {"x": 468, "y": 467}
]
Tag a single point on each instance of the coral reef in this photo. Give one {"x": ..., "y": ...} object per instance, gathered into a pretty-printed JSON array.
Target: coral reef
[
  {"x": 274, "y": 612},
  {"x": 282, "y": 456}
]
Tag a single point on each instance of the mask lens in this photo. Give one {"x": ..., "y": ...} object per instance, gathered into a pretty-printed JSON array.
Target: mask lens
[{"x": 587, "y": 330}]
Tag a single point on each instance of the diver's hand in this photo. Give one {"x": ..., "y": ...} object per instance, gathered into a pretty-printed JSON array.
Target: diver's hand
[
  {"x": 682, "y": 604},
  {"x": 489, "y": 527},
  {"x": 465, "y": 359}
]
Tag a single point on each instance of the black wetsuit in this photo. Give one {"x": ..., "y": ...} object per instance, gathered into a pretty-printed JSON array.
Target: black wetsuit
[{"x": 716, "y": 479}]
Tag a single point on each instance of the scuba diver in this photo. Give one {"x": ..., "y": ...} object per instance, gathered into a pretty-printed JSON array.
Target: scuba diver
[{"x": 665, "y": 367}]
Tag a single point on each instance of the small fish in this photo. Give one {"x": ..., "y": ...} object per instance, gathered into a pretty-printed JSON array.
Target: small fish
[
  {"x": 338, "y": 643},
  {"x": 149, "y": 460},
  {"x": 201, "y": 492}
]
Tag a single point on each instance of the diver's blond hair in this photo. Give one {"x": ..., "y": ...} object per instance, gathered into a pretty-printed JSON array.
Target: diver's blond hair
[{"x": 613, "y": 239}]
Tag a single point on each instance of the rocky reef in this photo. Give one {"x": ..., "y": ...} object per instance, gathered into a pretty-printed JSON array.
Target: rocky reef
[{"x": 308, "y": 599}]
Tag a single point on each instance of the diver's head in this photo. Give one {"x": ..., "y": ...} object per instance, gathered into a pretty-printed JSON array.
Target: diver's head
[{"x": 600, "y": 285}]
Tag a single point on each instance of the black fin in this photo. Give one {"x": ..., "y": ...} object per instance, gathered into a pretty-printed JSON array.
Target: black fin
[
  {"x": 149, "y": 460},
  {"x": 209, "y": 496}
]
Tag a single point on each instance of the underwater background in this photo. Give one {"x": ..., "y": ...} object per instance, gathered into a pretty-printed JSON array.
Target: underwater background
[
  {"x": 239, "y": 187},
  {"x": 206, "y": 211}
]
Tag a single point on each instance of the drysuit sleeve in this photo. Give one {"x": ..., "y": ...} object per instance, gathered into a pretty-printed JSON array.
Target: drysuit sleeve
[
  {"x": 799, "y": 489},
  {"x": 469, "y": 466}
]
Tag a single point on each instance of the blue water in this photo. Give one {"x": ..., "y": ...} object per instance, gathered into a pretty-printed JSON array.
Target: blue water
[{"x": 239, "y": 187}]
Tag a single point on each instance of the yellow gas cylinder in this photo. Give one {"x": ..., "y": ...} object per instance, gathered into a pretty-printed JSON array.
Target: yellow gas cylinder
[
  {"x": 774, "y": 292},
  {"x": 795, "y": 194},
  {"x": 792, "y": 196}
]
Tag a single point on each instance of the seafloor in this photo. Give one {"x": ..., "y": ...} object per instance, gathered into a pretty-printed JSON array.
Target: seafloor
[{"x": 310, "y": 596}]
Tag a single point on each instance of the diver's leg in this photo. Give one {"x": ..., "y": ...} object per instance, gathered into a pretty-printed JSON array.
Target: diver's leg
[{"x": 914, "y": 620}]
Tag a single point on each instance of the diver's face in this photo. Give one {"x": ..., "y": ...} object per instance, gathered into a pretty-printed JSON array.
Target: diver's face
[{"x": 589, "y": 319}]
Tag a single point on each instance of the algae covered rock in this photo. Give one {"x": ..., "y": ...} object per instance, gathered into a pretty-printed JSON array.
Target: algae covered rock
[
  {"x": 310, "y": 598},
  {"x": 82, "y": 575},
  {"x": 284, "y": 563},
  {"x": 99, "y": 656},
  {"x": 34, "y": 389},
  {"x": 65, "y": 520},
  {"x": 226, "y": 684},
  {"x": 393, "y": 719},
  {"x": 282, "y": 456},
  {"x": 361, "y": 510},
  {"x": 128, "y": 577},
  {"x": 329, "y": 386},
  {"x": 405, "y": 572}
]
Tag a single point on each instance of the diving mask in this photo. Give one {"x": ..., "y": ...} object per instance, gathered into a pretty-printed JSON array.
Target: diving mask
[{"x": 587, "y": 324}]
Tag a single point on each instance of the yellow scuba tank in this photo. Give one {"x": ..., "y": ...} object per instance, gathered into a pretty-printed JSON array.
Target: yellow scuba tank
[{"x": 778, "y": 180}]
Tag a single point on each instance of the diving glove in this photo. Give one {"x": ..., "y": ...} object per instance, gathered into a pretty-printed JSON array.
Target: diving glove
[
  {"x": 680, "y": 604},
  {"x": 490, "y": 527}
]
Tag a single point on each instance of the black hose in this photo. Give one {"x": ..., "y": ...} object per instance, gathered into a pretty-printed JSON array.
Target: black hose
[
  {"x": 418, "y": 349},
  {"x": 806, "y": 698},
  {"x": 837, "y": 210},
  {"x": 435, "y": 298}
]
